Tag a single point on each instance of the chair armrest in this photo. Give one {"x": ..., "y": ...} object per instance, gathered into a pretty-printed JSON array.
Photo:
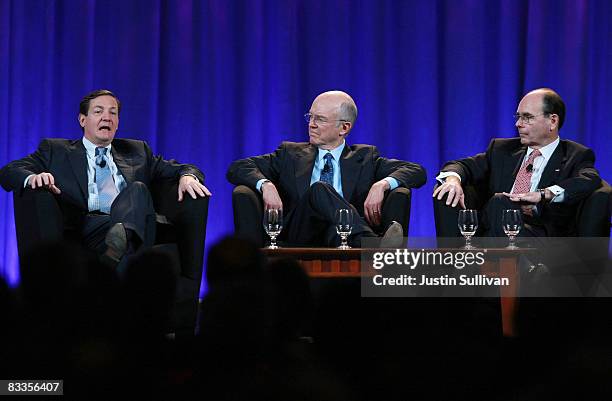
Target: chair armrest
[
  {"x": 248, "y": 211},
  {"x": 593, "y": 217},
  {"x": 189, "y": 220},
  {"x": 38, "y": 218},
  {"x": 475, "y": 195},
  {"x": 396, "y": 206}
]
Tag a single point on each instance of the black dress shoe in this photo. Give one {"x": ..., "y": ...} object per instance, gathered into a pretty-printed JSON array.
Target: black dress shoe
[
  {"x": 116, "y": 244},
  {"x": 393, "y": 237}
]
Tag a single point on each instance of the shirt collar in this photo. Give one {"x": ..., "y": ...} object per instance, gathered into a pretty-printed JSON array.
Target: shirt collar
[
  {"x": 547, "y": 150},
  {"x": 336, "y": 152},
  {"x": 91, "y": 148}
]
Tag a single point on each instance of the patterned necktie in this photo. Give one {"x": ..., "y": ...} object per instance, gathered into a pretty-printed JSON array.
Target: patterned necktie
[
  {"x": 107, "y": 191},
  {"x": 327, "y": 175},
  {"x": 522, "y": 183}
]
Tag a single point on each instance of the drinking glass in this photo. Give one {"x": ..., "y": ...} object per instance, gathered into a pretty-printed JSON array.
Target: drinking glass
[
  {"x": 273, "y": 224},
  {"x": 468, "y": 224},
  {"x": 344, "y": 226},
  {"x": 512, "y": 223}
]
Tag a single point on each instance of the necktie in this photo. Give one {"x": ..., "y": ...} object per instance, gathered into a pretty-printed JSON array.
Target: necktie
[
  {"x": 107, "y": 191},
  {"x": 522, "y": 183},
  {"x": 327, "y": 175}
]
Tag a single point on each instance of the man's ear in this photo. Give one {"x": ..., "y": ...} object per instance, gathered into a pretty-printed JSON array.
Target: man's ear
[
  {"x": 82, "y": 118},
  {"x": 554, "y": 121},
  {"x": 346, "y": 127}
]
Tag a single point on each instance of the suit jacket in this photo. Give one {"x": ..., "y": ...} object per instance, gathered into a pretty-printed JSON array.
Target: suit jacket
[
  {"x": 66, "y": 160},
  {"x": 290, "y": 169},
  {"x": 571, "y": 167}
]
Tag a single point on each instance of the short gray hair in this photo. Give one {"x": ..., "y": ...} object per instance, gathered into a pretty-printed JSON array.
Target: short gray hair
[{"x": 347, "y": 111}]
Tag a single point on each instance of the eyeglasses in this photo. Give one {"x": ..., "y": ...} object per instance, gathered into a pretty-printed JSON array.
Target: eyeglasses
[
  {"x": 527, "y": 118},
  {"x": 318, "y": 119}
]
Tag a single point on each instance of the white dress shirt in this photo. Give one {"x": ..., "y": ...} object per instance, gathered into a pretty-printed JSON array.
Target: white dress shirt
[{"x": 93, "y": 202}]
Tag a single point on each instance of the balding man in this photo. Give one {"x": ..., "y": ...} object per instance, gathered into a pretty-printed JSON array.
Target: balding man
[
  {"x": 539, "y": 173},
  {"x": 310, "y": 181}
]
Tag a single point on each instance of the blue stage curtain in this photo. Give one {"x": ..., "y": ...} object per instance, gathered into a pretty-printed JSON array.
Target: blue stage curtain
[{"x": 207, "y": 82}]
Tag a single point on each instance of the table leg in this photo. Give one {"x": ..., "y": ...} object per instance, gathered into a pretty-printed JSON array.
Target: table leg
[{"x": 508, "y": 295}]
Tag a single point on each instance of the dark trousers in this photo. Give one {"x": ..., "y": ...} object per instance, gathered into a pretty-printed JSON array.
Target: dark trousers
[
  {"x": 134, "y": 208},
  {"x": 312, "y": 221},
  {"x": 490, "y": 219}
]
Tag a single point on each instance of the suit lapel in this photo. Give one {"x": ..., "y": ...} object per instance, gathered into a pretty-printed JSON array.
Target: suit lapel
[
  {"x": 78, "y": 162},
  {"x": 350, "y": 168},
  {"x": 304, "y": 162},
  {"x": 553, "y": 167},
  {"x": 123, "y": 165}
]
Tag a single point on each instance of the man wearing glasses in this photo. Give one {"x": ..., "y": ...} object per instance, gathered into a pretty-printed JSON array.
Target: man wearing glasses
[
  {"x": 311, "y": 180},
  {"x": 543, "y": 176}
]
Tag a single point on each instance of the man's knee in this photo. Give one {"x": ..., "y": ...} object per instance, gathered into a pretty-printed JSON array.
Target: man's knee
[
  {"x": 318, "y": 189},
  {"x": 135, "y": 194},
  {"x": 500, "y": 200},
  {"x": 319, "y": 186},
  {"x": 137, "y": 186},
  {"x": 441, "y": 203}
]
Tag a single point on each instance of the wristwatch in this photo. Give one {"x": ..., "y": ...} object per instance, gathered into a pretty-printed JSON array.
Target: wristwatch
[{"x": 542, "y": 195}]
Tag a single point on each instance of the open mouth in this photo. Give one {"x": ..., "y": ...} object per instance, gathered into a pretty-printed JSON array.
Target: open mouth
[{"x": 104, "y": 128}]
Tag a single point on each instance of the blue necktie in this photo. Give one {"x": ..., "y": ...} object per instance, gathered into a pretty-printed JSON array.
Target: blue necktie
[
  {"x": 327, "y": 175},
  {"x": 107, "y": 191}
]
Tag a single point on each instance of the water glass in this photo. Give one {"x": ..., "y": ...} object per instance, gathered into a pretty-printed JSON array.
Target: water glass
[
  {"x": 468, "y": 224},
  {"x": 344, "y": 226},
  {"x": 273, "y": 224},
  {"x": 512, "y": 223}
]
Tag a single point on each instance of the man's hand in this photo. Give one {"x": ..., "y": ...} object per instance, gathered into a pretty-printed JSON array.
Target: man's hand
[
  {"x": 44, "y": 180},
  {"x": 528, "y": 197},
  {"x": 271, "y": 198},
  {"x": 373, "y": 203},
  {"x": 527, "y": 200},
  {"x": 452, "y": 186},
  {"x": 189, "y": 184}
]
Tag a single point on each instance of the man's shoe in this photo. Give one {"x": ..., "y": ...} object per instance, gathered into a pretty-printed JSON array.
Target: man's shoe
[
  {"x": 393, "y": 237},
  {"x": 116, "y": 243}
]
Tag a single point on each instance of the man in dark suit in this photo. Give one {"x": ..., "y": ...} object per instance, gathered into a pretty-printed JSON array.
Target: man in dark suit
[
  {"x": 102, "y": 183},
  {"x": 543, "y": 176},
  {"x": 310, "y": 181}
]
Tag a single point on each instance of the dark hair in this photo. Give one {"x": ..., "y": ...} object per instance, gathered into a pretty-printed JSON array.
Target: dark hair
[
  {"x": 84, "y": 105},
  {"x": 553, "y": 104}
]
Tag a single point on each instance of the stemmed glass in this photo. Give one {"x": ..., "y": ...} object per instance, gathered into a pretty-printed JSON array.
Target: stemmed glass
[
  {"x": 344, "y": 226},
  {"x": 468, "y": 224},
  {"x": 273, "y": 224},
  {"x": 512, "y": 223}
]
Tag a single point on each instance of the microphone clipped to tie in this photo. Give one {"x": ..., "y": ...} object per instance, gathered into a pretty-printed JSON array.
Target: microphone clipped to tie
[
  {"x": 102, "y": 163},
  {"x": 529, "y": 168}
]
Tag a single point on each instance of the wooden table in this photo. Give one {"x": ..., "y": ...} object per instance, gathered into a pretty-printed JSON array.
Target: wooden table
[{"x": 337, "y": 263}]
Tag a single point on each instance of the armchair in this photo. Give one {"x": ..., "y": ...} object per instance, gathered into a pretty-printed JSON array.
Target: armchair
[
  {"x": 248, "y": 212},
  {"x": 39, "y": 218}
]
